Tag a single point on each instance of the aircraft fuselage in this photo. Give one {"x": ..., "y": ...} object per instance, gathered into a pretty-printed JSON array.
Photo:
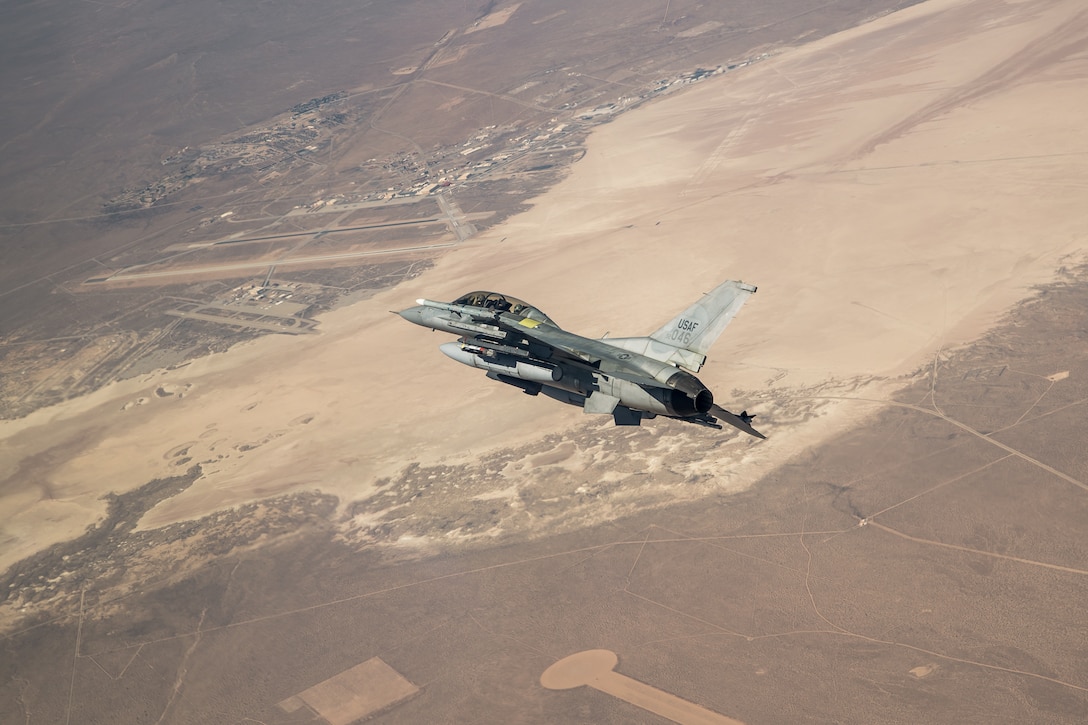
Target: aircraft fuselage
[{"x": 629, "y": 378}]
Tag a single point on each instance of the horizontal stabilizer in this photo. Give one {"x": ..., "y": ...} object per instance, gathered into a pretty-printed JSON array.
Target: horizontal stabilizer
[{"x": 741, "y": 422}]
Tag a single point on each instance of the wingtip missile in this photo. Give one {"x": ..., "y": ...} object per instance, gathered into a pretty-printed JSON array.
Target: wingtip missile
[
  {"x": 465, "y": 310},
  {"x": 446, "y": 306}
]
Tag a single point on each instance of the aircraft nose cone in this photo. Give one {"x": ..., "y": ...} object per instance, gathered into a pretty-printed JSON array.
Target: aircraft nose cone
[{"x": 414, "y": 315}]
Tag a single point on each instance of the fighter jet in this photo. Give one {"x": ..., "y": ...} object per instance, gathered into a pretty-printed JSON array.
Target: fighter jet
[{"x": 629, "y": 378}]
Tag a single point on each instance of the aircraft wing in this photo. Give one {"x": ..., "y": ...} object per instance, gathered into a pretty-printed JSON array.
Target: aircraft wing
[
  {"x": 473, "y": 320},
  {"x": 594, "y": 353}
]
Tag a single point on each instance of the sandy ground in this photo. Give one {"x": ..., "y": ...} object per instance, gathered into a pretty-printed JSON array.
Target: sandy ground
[{"x": 890, "y": 189}]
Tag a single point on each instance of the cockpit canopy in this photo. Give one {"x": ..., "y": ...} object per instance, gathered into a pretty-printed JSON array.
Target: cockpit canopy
[{"x": 502, "y": 303}]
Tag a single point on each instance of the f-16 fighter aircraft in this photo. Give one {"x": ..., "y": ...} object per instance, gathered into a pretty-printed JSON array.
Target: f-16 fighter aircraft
[{"x": 629, "y": 378}]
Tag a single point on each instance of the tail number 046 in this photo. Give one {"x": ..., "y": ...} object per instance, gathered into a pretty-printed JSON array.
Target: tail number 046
[{"x": 685, "y": 331}]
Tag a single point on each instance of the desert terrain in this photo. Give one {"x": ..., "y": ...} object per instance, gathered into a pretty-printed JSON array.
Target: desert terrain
[{"x": 339, "y": 523}]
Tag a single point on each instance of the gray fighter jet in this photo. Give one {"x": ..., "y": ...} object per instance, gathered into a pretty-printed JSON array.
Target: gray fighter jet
[{"x": 629, "y": 378}]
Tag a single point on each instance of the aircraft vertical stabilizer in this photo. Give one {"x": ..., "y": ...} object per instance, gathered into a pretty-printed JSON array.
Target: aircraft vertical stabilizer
[
  {"x": 697, "y": 327},
  {"x": 686, "y": 338}
]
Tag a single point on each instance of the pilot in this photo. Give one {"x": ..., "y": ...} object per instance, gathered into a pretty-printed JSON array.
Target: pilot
[{"x": 496, "y": 301}]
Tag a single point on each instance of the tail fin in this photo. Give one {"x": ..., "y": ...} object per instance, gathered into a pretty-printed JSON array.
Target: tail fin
[
  {"x": 686, "y": 338},
  {"x": 697, "y": 327}
]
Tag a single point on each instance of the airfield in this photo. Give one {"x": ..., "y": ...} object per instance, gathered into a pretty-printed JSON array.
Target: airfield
[{"x": 337, "y": 523}]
